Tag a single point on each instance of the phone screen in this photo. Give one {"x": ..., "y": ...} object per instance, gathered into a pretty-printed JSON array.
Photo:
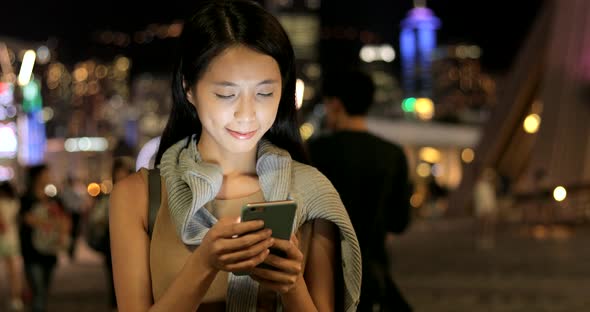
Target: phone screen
[{"x": 279, "y": 216}]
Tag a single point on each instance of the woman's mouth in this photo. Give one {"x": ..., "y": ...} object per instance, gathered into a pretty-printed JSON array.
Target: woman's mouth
[{"x": 241, "y": 135}]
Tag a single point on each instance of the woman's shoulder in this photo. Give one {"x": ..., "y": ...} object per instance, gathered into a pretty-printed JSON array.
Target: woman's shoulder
[
  {"x": 310, "y": 178},
  {"x": 133, "y": 182},
  {"x": 131, "y": 192},
  {"x": 306, "y": 171}
]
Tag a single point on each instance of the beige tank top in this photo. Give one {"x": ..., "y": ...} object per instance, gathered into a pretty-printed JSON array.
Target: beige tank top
[{"x": 168, "y": 253}]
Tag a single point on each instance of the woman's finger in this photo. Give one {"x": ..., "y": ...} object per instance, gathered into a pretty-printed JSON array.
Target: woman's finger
[
  {"x": 244, "y": 254},
  {"x": 285, "y": 265},
  {"x": 230, "y": 227},
  {"x": 246, "y": 265},
  {"x": 290, "y": 249},
  {"x": 274, "y": 276},
  {"x": 275, "y": 286},
  {"x": 228, "y": 245}
]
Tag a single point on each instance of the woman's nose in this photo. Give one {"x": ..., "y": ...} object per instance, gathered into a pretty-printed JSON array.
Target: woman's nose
[{"x": 245, "y": 111}]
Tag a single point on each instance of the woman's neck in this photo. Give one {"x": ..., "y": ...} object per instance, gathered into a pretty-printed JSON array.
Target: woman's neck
[
  {"x": 239, "y": 170},
  {"x": 232, "y": 164}
]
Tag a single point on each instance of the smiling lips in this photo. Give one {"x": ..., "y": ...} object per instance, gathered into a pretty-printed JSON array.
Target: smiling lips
[{"x": 241, "y": 135}]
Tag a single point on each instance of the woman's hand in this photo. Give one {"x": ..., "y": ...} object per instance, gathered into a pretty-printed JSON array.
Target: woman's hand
[
  {"x": 234, "y": 246},
  {"x": 287, "y": 270}
]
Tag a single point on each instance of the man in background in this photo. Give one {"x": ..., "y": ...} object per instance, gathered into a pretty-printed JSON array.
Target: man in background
[{"x": 371, "y": 176}]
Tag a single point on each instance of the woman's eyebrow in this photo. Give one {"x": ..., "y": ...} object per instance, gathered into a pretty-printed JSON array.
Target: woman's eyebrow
[
  {"x": 268, "y": 81},
  {"x": 232, "y": 84}
]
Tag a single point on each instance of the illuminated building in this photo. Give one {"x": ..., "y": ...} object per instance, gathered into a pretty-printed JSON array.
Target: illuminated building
[{"x": 417, "y": 43}]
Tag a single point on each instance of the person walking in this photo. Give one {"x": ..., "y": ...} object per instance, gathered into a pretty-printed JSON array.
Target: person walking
[
  {"x": 371, "y": 176},
  {"x": 9, "y": 243}
]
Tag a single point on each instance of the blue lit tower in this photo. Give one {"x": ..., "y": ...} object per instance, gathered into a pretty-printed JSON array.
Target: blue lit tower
[
  {"x": 417, "y": 43},
  {"x": 31, "y": 126}
]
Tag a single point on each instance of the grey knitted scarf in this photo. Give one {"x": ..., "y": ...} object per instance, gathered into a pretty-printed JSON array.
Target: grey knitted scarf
[{"x": 192, "y": 183}]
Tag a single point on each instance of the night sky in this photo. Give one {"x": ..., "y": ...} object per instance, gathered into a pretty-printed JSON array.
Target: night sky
[{"x": 499, "y": 27}]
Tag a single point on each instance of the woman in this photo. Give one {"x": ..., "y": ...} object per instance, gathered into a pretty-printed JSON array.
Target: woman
[
  {"x": 232, "y": 138},
  {"x": 9, "y": 245},
  {"x": 44, "y": 232}
]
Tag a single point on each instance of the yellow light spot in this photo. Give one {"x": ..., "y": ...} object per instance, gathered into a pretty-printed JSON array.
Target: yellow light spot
[
  {"x": 93, "y": 189},
  {"x": 423, "y": 170},
  {"x": 559, "y": 193},
  {"x": 306, "y": 130},
  {"x": 429, "y": 154},
  {"x": 531, "y": 123},
  {"x": 467, "y": 155},
  {"x": 424, "y": 108},
  {"x": 80, "y": 74},
  {"x": 101, "y": 71},
  {"x": 55, "y": 72},
  {"x": 122, "y": 63}
]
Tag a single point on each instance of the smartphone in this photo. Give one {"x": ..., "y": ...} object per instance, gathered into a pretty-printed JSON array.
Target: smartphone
[{"x": 279, "y": 216}]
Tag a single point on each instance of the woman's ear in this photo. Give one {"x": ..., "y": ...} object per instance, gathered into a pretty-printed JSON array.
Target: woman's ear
[
  {"x": 189, "y": 97},
  {"x": 189, "y": 94}
]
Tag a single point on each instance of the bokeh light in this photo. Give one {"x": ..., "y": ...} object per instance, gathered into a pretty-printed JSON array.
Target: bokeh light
[
  {"x": 531, "y": 123},
  {"x": 467, "y": 155},
  {"x": 559, "y": 193},
  {"x": 50, "y": 190},
  {"x": 93, "y": 189}
]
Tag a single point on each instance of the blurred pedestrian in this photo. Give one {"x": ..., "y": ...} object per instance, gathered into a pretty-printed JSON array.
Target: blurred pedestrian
[
  {"x": 371, "y": 175},
  {"x": 44, "y": 232},
  {"x": 9, "y": 243},
  {"x": 486, "y": 208},
  {"x": 97, "y": 233},
  {"x": 73, "y": 203}
]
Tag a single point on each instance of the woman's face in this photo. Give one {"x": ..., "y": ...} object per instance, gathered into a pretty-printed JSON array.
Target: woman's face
[{"x": 237, "y": 99}]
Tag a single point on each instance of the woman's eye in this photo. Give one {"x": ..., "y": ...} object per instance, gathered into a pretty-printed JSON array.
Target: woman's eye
[
  {"x": 223, "y": 96},
  {"x": 265, "y": 94}
]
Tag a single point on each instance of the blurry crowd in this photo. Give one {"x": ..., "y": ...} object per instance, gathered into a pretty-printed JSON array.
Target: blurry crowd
[{"x": 42, "y": 224}]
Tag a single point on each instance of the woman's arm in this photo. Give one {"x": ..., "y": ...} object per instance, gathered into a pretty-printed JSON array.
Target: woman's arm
[
  {"x": 311, "y": 290},
  {"x": 321, "y": 265},
  {"x": 130, "y": 253}
]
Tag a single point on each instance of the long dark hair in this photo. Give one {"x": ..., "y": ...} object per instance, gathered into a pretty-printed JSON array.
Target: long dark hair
[{"x": 214, "y": 27}]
